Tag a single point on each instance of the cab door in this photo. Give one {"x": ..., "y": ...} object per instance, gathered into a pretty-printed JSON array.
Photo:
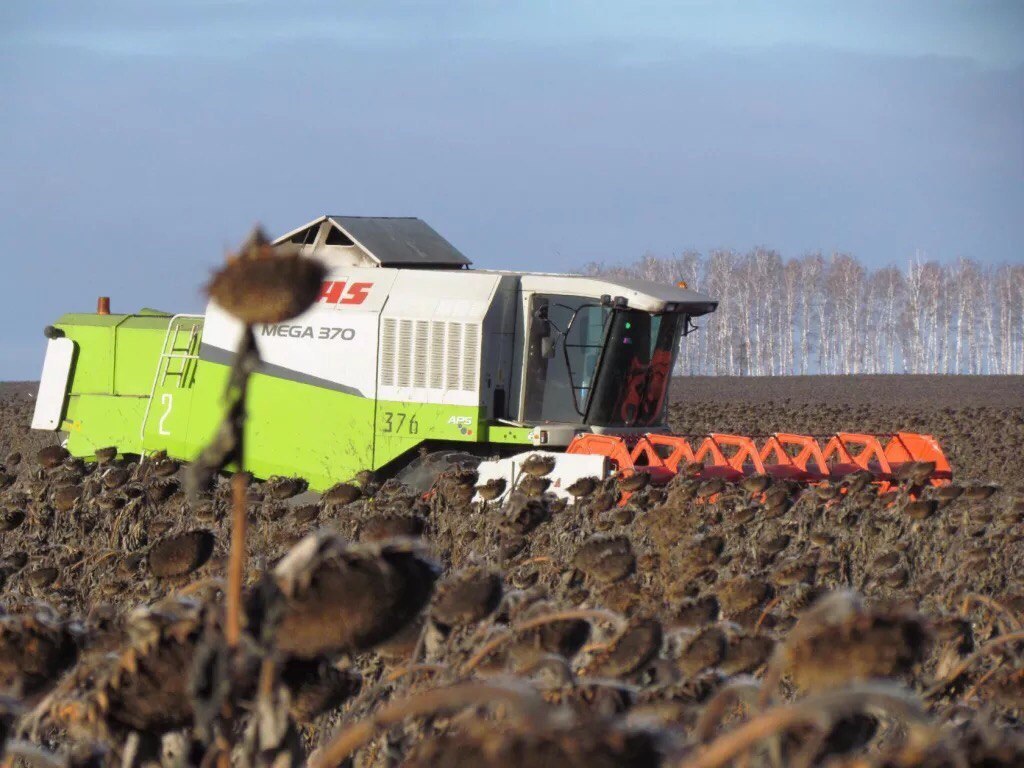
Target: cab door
[{"x": 565, "y": 340}]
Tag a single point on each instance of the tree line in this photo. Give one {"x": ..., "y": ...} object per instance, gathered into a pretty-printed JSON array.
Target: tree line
[{"x": 834, "y": 315}]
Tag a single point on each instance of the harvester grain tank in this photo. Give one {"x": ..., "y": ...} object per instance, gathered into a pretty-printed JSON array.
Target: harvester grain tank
[{"x": 408, "y": 350}]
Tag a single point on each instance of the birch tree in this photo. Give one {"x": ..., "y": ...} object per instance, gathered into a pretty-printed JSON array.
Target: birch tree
[{"x": 809, "y": 315}]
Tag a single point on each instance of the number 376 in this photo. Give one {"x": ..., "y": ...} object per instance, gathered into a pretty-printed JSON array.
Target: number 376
[{"x": 396, "y": 421}]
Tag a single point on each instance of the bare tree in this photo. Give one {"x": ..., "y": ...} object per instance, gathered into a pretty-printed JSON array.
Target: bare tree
[{"x": 781, "y": 316}]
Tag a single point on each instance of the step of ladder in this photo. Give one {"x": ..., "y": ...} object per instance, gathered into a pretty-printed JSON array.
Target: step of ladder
[{"x": 173, "y": 351}]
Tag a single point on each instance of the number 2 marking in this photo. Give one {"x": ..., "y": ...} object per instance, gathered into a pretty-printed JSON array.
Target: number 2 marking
[{"x": 168, "y": 400}]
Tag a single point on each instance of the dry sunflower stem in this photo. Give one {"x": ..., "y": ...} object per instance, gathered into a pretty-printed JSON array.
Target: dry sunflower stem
[
  {"x": 819, "y": 710},
  {"x": 583, "y": 614},
  {"x": 984, "y": 650},
  {"x": 523, "y": 700},
  {"x": 259, "y": 284}
]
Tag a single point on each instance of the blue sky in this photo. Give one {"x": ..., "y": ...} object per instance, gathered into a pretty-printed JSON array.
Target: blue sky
[{"x": 138, "y": 140}]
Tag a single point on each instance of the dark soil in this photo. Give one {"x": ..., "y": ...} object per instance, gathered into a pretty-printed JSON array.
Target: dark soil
[
  {"x": 534, "y": 632},
  {"x": 17, "y": 401},
  {"x": 916, "y": 391}
]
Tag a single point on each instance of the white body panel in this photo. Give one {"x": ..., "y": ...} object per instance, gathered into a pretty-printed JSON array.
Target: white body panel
[
  {"x": 393, "y": 334},
  {"x": 640, "y": 294},
  {"x": 53, "y": 384},
  {"x": 431, "y": 337},
  {"x": 569, "y": 467},
  {"x": 333, "y": 343}
]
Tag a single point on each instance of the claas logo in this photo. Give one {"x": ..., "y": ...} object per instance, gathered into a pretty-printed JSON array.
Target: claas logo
[{"x": 343, "y": 292}]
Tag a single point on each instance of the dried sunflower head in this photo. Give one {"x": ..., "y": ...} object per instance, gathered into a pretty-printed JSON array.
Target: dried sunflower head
[
  {"x": 839, "y": 639},
  {"x": 327, "y": 596},
  {"x": 264, "y": 284},
  {"x": 466, "y": 597}
]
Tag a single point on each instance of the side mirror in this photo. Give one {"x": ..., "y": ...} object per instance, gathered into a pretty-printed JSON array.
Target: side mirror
[{"x": 547, "y": 347}]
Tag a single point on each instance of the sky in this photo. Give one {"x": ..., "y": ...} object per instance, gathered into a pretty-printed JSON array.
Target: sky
[{"x": 140, "y": 141}]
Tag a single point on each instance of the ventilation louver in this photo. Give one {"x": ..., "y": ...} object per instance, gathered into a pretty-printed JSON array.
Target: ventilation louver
[{"x": 434, "y": 354}]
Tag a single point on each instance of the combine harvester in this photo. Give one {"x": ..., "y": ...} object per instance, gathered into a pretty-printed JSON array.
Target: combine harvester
[{"x": 409, "y": 352}]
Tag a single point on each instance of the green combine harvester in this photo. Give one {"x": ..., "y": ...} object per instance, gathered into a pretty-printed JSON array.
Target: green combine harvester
[{"x": 409, "y": 351}]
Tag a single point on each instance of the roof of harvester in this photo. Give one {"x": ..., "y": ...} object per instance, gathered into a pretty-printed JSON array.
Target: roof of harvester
[
  {"x": 408, "y": 242},
  {"x": 391, "y": 241}
]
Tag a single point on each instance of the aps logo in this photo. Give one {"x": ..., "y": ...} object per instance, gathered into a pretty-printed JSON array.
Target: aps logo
[
  {"x": 463, "y": 423},
  {"x": 340, "y": 292}
]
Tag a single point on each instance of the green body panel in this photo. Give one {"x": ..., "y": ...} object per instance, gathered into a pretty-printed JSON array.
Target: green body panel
[
  {"x": 109, "y": 388},
  {"x": 96, "y": 421},
  {"x": 505, "y": 434},
  {"x": 116, "y": 344},
  {"x": 400, "y": 427},
  {"x": 294, "y": 428}
]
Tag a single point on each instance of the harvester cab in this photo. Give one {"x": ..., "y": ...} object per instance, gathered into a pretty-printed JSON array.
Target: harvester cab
[{"x": 408, "y": 350}]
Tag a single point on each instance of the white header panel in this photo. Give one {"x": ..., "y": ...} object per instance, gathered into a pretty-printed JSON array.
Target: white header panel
[{"x": 53, "y": 384}]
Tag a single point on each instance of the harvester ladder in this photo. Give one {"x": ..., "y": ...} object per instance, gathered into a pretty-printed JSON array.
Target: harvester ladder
[
  {"x": 172, "y": 350},
  {"x": 186, "y": 354}
]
